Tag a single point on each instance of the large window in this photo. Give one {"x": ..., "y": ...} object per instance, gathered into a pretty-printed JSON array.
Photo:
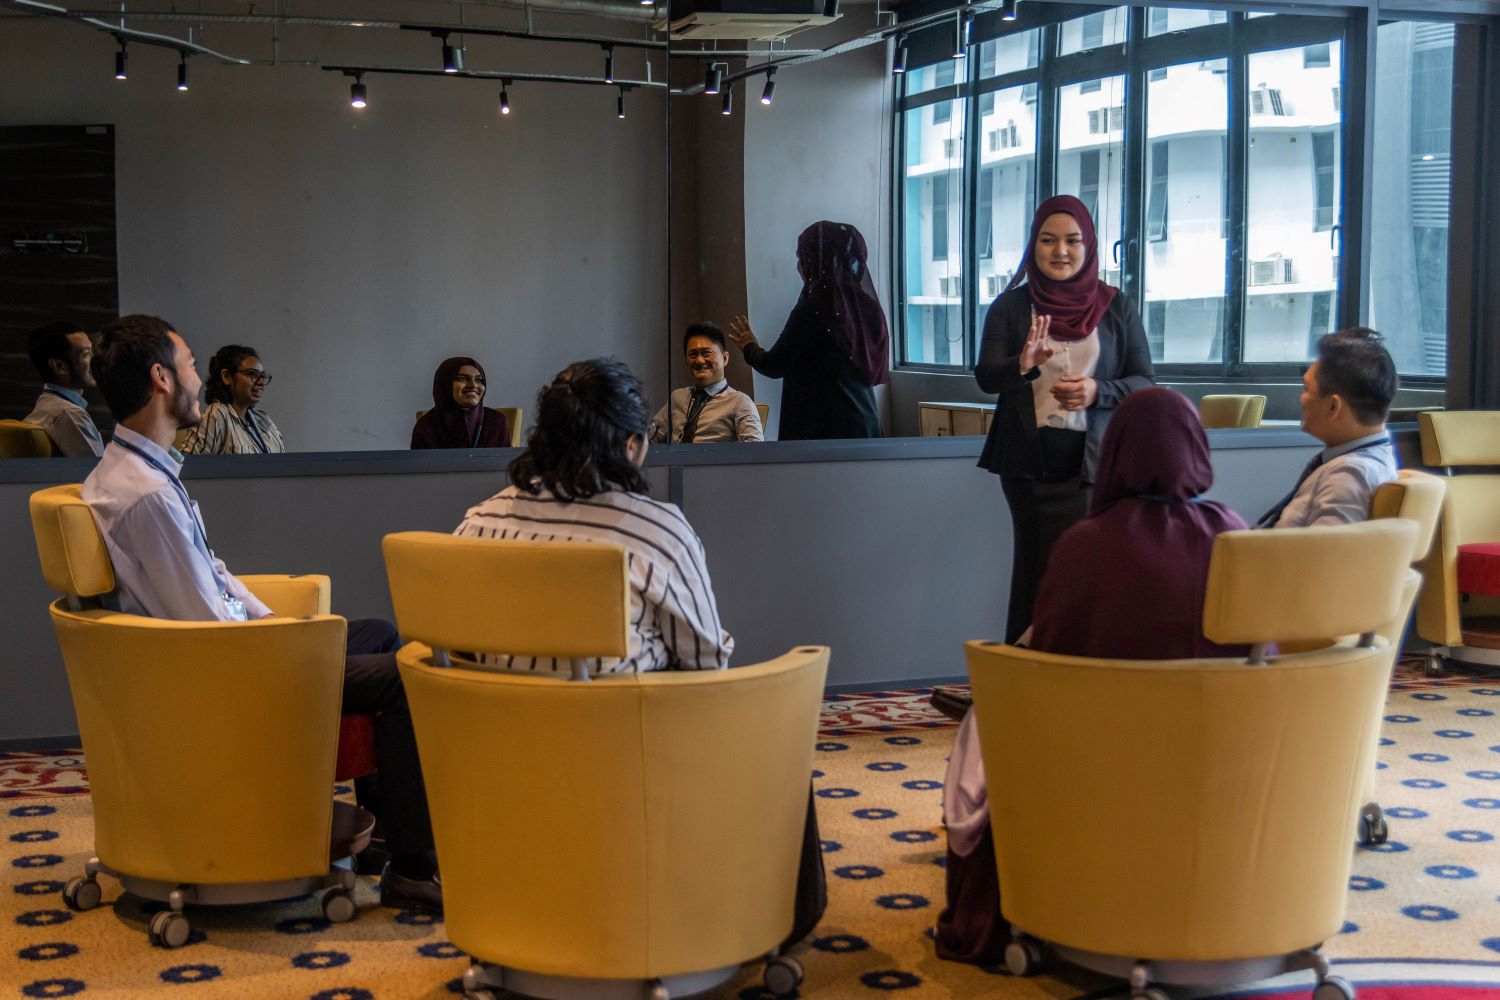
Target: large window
[
  {"x": 1210, "y": 147},
  {"x": 1409, "y": 254}
]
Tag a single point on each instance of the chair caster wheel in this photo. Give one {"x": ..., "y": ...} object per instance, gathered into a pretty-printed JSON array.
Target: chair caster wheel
[
  {"x": 782, "y": 976},
  {"x": 1149, "y": 993},
  {"x": 479, "y": 995},
  {"x": 338, "y": 906},
  {"x": 1373, "y": 830},
  {"x": 170, "y": 929},
  {"x": 82, "y": 893},
  {"x": 659, "y": 991},
  {"x": 1023, "y": 957},
  {"x": 1334, "y": 988}
]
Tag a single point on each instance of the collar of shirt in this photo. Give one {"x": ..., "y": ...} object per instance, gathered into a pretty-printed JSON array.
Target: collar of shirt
[
  {"x": 712, "y": 390},
  {"x": 71, "y": 395},
  {"x": 170, "y": 458},
  {"x": 1348, "y": 446}
]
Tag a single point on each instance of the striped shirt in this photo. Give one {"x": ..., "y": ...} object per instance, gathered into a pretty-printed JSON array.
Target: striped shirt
[
  {"x": 674, "y": 621},
  {"x": 222, "y": 432}
]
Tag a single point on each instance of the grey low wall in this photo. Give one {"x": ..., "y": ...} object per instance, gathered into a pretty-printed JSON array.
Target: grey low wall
[{"x": 891, "y": 552}]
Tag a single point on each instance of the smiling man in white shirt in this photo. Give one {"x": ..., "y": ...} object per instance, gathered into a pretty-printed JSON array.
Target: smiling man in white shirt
[
  {"x": 164, "y": 568},
  {"x": 1346, "y": 396}
]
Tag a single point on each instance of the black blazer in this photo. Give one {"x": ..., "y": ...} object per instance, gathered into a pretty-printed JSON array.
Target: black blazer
[
  {"x": 824, "y": 395},
  {"x": 1013, "y": 449}
]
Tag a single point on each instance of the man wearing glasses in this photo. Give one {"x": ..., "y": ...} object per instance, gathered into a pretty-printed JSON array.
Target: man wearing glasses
[{"x": 233, "y": 423}]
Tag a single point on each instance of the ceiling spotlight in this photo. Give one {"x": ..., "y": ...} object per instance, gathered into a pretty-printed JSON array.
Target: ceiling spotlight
[
  {"x": 453, "y": 57},
  {"x": 505, "y": 97},
  {"x": 713, "y": 79},
  {"x": 962, "y": 28},
  {"x": 120, "y": 63},
  {"x": 728, "y": 106},
  {"x": 182, "y": 80},
  {"x": 620, "y": 105},
  {"x": 609, "y": 64},
  {"x": 769, "y": 94},
  {"x": 1010, "y": 10},
  {"x": 357, "y": 92},
  {"x": 898, "y": 61}
]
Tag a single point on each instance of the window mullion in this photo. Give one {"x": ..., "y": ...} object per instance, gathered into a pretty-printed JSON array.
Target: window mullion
[{"x": 1239, "y": 198}]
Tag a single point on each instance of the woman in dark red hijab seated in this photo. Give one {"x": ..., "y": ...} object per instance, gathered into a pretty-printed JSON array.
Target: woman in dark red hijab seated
[
  {"x": 1127, "y": 582},
  {"x": 1061, "y": 351},
  {"x": 459, "y": 418}
]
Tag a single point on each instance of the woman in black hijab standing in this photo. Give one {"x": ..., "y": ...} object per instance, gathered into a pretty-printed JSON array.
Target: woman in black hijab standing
[
  {"x": 835, "y": 347},
  {"x": 459, "y": 418}
]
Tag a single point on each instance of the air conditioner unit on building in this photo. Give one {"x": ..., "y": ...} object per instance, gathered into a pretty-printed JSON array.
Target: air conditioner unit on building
[
  {"x": 745, "y": 20},
  {"x": 1102, "y": 121},
  {"x": 1271, "y": 271},
  {"x": 1266, "y": 100}
]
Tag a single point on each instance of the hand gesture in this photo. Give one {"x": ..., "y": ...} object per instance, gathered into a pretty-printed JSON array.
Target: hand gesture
[
  {"x": 740, "y": 332},
  {"x": 1036, "y": 351},
  {"x": 1075, "y": 392}
]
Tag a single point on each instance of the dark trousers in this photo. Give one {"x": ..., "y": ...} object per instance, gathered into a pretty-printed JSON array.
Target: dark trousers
[
  {"x": 1040, "y": 512},
  {"x": 372, "y": 686}
]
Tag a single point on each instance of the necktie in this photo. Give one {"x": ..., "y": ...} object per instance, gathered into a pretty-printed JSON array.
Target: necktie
[
  {"x": 1270, "y": 517},
  {"x": 690, "y": 425}
]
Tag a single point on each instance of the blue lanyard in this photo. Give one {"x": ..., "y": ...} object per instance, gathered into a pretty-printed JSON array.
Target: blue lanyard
[{"x": 177, "y": 485}]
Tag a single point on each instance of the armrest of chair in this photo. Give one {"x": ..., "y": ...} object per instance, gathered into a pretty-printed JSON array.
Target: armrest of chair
[{"x": 292, "y": 596}]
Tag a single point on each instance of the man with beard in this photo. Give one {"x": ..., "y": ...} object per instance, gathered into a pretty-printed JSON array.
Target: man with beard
[
  {"x": 164, "y": 568},
  {"x": 61, "y": 352}
]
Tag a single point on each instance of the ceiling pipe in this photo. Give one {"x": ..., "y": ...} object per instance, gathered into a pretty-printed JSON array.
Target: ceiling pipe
[
  {"x": 179, "y": 45},
  {"x": 625, "y": 10},
  {"x": 501, "y": 75}
]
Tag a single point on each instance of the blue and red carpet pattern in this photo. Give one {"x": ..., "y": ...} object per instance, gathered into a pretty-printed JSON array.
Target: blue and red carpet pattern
[{"x": 1423, "y": 918}]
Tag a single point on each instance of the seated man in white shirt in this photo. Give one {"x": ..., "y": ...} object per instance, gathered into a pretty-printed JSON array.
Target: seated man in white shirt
[
  {"x": 1346, "y": 396},
  {"x": 709, "y": 410},
  {"x": 164, "y": 568},
  {"x": 61, "y": 352}
]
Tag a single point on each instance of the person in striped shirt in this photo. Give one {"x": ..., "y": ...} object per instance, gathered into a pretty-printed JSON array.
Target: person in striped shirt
[{"x": 580, "y": 480}]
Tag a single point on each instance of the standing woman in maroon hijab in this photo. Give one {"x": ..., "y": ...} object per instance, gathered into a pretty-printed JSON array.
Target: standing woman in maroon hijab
[
  {"x": 459, "y": 418},
  {"x": 836, "y": 345},
  {"x": 1061, "y": 351}
]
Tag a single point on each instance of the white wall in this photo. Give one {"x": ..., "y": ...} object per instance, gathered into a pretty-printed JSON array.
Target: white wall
[{"x": 357, "y": 249}]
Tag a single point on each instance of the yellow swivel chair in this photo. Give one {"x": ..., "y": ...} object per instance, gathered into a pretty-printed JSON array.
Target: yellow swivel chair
[
  {"x": 1471, "y": 513},
  {"x": 1416, "y": 497},
  {"x": 622, "y": 836},
  {"x": 210, "y": 745},
  {"x": 20, "y": 439},
  {"x": 1231, "y": 787},
  {"x": 1231, "y": 411}
]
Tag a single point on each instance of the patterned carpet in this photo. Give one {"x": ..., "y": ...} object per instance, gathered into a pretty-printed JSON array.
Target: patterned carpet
[{"x": 1423, "y": 920}]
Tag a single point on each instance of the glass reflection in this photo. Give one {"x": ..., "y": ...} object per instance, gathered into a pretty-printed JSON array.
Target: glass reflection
[
  {"x": 1293, "y": 207},
  {"x": 933, "y": 201},
  {"x": 1186, "y": 211}
]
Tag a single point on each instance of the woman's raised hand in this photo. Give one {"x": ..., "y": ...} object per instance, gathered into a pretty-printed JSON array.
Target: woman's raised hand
[
  {"x": 1036, "y": 350},
  {"x": 740, "y": 332}
]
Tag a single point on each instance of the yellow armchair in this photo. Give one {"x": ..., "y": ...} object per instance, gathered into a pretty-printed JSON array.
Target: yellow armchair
[
  {"x": 1416, "y": 497},
  {"x": 627, "y": 833},
  {"x": 1188, "y": 821},
  {"x": 210, "y": 745},
  {"x": 20, "y": 439},
  {"x": 1231, "y": 410},
  {"x": 1471, "y": 513}
]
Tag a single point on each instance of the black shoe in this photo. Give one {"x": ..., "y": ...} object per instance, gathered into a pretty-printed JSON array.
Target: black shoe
[
  {"x": 403, "y": 893},
  {"x": 954, "y": 702}
]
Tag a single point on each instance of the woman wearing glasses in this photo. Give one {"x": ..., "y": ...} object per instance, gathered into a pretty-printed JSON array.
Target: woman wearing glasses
[
  {"x": 459, "y": 418},
  {"x": 233, "y": 423}
]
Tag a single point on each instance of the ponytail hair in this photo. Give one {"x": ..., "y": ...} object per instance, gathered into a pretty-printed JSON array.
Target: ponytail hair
[{"x": 585, "y": 420}]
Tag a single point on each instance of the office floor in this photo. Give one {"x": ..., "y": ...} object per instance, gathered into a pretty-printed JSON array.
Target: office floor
[{"x": 1424, "y": 910}]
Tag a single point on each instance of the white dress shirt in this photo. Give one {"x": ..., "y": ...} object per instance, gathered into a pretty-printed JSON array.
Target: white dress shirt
[
  {"x": 64, "y": 415},
  {"x": 156, "y": 538},
  {"x": 727, "y": 415},
  {"x": 1338, "y": 491}
]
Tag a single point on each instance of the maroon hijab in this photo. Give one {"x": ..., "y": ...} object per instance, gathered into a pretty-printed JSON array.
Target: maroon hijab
[
  {"x": 833, "y": 259},
  {"x": 1077, "y": 304},
  {"x": 1128, "y": 581},
  {"x": 448, "y": 425}
]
